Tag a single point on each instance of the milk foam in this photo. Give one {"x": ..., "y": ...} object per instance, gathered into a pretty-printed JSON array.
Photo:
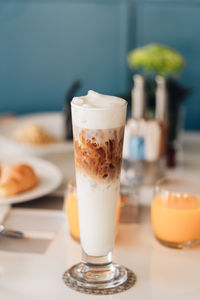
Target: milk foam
[{"x": 98, "y": 111}]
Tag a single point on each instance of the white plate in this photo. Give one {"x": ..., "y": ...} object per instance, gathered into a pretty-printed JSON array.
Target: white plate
[
  {"x": 49, "y": 177},
  {"x": 52, "y": 122}
]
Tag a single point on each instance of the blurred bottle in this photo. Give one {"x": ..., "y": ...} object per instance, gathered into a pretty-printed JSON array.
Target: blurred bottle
[
  {"x": 138, "y": 97},
  {"x": 145, "y": 140},
  {"x": 134, "y": 144},
  {"x": 161, "y": 115},
  {"x": 162, "y": 112},
  {"x": 136, "y": 140},
  {"x": 161, "y": 99},
  {"x": 68, "y": 134}
]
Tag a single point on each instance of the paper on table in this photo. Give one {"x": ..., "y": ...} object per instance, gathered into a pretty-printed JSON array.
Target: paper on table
[
  {"x": 4, "y": 209},
  {"x": 39, "y": 228},
  {"x": 25, "y": 245}
]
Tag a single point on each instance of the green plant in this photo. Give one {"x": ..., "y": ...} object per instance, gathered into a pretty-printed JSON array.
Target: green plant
[{"x": 157, "y": 59}]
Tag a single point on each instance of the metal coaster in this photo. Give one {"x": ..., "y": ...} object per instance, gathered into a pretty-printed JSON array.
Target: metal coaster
[{"x": 131, "y": 280}]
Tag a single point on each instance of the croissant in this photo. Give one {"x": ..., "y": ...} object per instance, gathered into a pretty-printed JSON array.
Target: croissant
[
  {"x": 34, "y": 134},
  {"x": 16, "y": 179}
]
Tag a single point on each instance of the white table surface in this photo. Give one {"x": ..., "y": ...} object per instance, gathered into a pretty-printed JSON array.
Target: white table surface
[{"x": 162, "y": 273}]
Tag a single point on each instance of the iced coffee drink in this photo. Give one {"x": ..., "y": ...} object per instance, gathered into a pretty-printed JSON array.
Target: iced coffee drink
[{"x": 98, "y": 129}]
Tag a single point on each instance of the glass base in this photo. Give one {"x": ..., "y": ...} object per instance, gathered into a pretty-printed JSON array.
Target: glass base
[
  {"x": 179, "y": 245},
  {"x": 97, "y": 276}
]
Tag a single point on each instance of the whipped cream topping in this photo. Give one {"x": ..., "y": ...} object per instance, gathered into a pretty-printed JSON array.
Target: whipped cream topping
[
  {"x": 96, "y": 100},
  {"x": 98, "y": 111}
]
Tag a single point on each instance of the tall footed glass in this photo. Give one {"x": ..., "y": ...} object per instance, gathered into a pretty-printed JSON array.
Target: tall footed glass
[{"x": 98, "y": 128}]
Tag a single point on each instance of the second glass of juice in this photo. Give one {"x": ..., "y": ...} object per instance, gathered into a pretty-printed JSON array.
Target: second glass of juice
[{"x": 175, "y": 212}]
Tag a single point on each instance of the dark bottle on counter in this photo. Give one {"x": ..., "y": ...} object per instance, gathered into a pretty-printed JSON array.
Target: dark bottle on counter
[{"x": 68, "y": 133}]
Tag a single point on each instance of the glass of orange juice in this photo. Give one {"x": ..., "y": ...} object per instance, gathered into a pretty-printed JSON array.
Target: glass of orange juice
[
  {"x": 175, "y": 212},
  {"x": 71, "y": 210}
]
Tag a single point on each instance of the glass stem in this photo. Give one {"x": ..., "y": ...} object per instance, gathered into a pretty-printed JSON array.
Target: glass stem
[{"x": 97, "y": 260}]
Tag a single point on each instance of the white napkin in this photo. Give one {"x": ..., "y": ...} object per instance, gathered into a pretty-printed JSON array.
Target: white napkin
[{"x": 39, "y": 228}]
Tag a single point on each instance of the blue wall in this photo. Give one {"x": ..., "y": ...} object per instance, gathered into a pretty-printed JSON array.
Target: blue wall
[
  {"x": 46, "y": 44},
  {"x": 177, "y": 24}
]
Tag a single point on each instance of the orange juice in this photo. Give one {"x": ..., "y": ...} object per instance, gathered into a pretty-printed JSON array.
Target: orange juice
[
  {"x": 72, "y": 215},
  {"x": 176, "y": 218}
]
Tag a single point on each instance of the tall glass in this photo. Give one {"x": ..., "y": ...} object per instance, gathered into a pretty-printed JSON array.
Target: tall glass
[{"x": 98, "y": 141}]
